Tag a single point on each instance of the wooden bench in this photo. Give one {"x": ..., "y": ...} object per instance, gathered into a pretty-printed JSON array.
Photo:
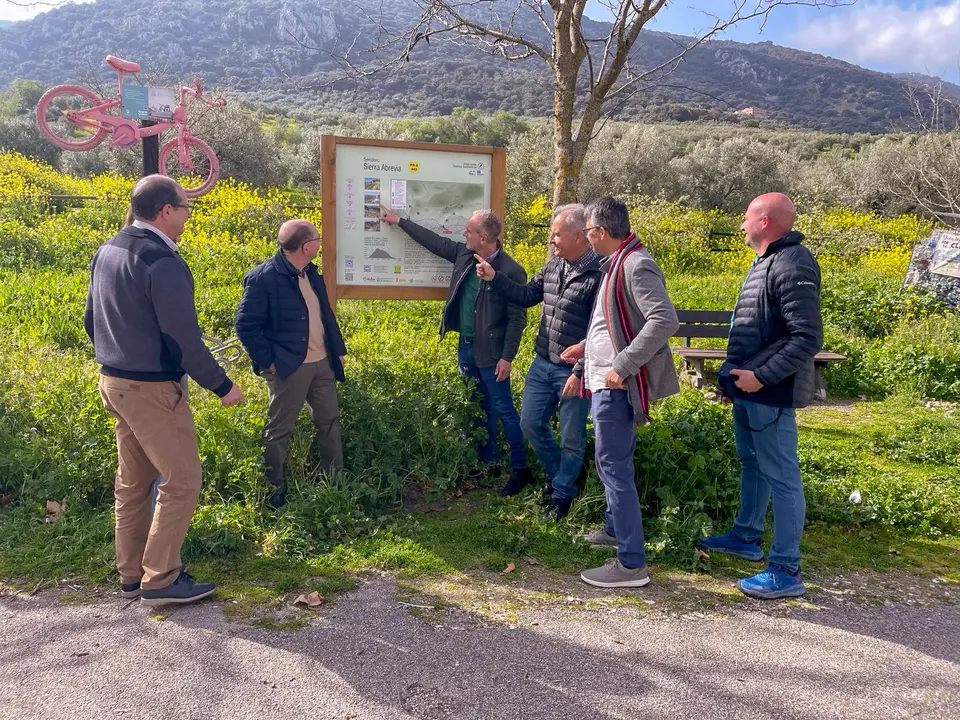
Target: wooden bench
[{"x": 716, "y": 324}]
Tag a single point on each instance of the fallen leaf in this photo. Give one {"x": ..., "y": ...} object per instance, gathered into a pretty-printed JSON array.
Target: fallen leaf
[
  {"x": 509, "y": 568},
  {"x": 312, "y": 600},
  {"x": 530, "y": 560},
  {"x": 54, "y": 509},
  {"x": 7, "y": 499}
]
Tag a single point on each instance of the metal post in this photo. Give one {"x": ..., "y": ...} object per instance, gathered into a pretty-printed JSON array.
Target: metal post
[{"x": 151, "y": 151}]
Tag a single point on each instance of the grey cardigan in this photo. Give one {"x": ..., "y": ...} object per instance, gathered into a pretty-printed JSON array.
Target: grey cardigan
[{"x": 653, "y": 319}]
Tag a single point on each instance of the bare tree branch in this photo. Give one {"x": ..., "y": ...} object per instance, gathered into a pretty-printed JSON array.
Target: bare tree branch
[{"x": 528, "y": 30}]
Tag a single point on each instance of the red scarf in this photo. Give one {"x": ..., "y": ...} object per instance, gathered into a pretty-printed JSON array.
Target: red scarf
[{"x": 623, "y": 314}]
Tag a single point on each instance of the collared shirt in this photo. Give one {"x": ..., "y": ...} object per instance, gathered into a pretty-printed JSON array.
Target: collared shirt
[
  {"x": 469, "y": 289},
  {"x": 143, "y": 225},
  {"x": 568, "y": 267},
  {"x": 582, "y": 261},
  {"x": 599, "y": 351}
]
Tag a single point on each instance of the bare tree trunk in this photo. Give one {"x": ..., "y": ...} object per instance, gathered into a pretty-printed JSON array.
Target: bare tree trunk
[
  {"x": 566, "y": 165},
  {"x": 505, "y": 35}
]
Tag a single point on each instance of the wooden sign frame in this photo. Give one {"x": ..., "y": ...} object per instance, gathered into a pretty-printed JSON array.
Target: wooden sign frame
[{"x": 328, "y": 208}]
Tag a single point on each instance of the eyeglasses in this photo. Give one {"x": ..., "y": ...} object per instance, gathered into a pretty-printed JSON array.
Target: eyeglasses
[
  {"x": 185, "y": 206},
  {"x": 594, "y": 227},
  {"x": 313, "y": 239}
]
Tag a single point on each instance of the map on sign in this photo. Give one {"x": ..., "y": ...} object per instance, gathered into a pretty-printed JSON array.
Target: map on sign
[
  {"x": 438, "y": 189},
  {"x": 438, "y": 206}
]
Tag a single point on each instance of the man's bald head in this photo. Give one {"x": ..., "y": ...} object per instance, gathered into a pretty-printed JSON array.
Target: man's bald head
[
  {"x": 152, "y": 193},
  {"x": 768, "y": 218},
  {"x": 779, "y": 209},
  {"x": 294, "y": 233}
]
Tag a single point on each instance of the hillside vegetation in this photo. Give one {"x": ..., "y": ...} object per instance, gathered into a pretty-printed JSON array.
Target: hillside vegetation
[{"x": 408, "y": 423}]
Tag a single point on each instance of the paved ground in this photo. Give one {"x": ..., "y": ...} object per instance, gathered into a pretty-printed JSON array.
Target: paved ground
[{"x": 368, "y": 656}]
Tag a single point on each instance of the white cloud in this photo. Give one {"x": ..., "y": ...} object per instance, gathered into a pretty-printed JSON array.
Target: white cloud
[
  {"x": 25, "y": 9},
  {"x": 922, "y": 37}
]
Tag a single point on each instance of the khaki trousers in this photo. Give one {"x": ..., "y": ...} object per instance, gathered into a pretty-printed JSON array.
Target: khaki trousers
[
  {"x": 155, "y": 435},
  {"x": 312, "y": 383}
]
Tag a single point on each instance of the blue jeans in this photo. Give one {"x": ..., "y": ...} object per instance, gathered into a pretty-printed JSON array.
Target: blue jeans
[
  {"x": 542, "y": 393},
  {"x": 616, "y": 438},
  {"x": 767, "y": 445},
  {"x": 496, "y": 401}
]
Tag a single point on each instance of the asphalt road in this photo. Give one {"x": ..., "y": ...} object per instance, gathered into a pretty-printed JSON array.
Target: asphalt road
[{"x": 368, "y": 656}]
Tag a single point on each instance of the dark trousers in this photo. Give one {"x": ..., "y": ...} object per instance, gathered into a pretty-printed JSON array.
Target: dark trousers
[
  {"x": 314, "y": 384},
  {"x": 496, "y": 401},
  {"x": 616, "y": 438}
]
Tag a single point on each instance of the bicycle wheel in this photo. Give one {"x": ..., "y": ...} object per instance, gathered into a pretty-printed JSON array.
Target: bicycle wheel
[
  {"x": 56, "y": 125},
  {"x": 200, "y": 170}
]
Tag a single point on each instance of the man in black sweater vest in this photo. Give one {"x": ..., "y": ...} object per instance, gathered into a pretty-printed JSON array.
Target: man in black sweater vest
[
  {"x": 141, "y": 318},
  {"x": 566, "y": 286}
]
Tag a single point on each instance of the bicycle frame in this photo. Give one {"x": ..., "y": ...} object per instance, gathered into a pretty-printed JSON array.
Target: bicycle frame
[{"x": 98, "y": 116}]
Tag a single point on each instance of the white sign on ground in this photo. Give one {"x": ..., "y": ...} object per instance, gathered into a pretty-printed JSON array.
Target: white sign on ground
[{"x": 946, "y": 254}]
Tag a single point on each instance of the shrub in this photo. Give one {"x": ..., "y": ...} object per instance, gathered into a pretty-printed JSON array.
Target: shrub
[{"x": 923, "y": 357}]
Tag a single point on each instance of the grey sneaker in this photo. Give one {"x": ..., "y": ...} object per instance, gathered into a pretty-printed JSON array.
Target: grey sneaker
[
  {"x": 613, "y": 575},
  {"x": 600, "y": 538}
]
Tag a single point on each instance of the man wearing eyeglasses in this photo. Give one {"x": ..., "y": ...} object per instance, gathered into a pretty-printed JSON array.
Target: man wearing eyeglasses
[
  {"x": 141, "y": 318},
  {"x": 288, "y": 328},
  {"x": 626, "y": 364}
]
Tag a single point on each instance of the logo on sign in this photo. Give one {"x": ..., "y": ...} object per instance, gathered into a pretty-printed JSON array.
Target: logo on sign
[{"x": 414, "y": 167}]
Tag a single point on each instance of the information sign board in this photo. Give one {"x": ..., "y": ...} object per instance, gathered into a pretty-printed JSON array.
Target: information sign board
[{"x": 437, "y": 186}]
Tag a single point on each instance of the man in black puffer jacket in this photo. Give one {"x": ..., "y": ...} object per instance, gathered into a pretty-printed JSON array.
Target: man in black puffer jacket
[
  {"x": 566, "y": 286},
  {"x": 288, "y": 328},
  {"x": 775, "y": 334}
]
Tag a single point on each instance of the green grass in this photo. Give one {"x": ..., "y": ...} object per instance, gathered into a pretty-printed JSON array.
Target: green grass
[{"x": 445, "y": 548}]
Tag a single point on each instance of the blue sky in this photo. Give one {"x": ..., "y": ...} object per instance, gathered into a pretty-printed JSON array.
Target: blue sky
[{"x": 891, "y": 35}]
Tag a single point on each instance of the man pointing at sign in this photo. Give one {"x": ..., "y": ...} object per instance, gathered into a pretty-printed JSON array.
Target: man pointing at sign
[{"x": 490, "y": 328}]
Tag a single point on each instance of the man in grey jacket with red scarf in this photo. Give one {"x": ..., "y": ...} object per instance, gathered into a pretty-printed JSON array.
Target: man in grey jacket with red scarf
[{"x": 626, "y": 364}]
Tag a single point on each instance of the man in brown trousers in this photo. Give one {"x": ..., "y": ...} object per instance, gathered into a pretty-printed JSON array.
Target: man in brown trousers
[{"x": 141, "y": 318}]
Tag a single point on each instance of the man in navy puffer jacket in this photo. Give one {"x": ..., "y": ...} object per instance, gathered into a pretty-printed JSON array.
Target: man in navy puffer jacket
[
  {"x": 775, "y": 333},
  {"x": 288, "y": 328}
]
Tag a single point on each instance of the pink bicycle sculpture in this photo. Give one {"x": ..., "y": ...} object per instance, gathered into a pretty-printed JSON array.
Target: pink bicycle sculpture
[{"x": 75, "y": 118}]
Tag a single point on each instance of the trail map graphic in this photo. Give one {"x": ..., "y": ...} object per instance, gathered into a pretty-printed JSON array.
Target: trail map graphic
[{"x": 443, "y": 207}]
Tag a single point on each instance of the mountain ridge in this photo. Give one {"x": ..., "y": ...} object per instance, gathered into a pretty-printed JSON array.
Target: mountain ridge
[{"x": 278, "y": 54}]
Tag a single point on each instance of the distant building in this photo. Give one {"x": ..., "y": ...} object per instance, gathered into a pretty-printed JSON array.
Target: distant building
[{"x": 751, "y": 111}]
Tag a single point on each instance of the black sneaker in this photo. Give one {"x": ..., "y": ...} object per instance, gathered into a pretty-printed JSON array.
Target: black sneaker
[
  {"x": 557, "y": 509},
  {"x": 183, "y": 590},
  {"x": 519, "y": 479},
  {"x": 130, "y": 591},
  {"x": 277, "y": 499}
]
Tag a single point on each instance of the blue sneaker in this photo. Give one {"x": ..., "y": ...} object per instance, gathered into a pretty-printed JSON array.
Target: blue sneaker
[
  {"x": 774, "y": 582},
  {"x": 732, "y": 545}
]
